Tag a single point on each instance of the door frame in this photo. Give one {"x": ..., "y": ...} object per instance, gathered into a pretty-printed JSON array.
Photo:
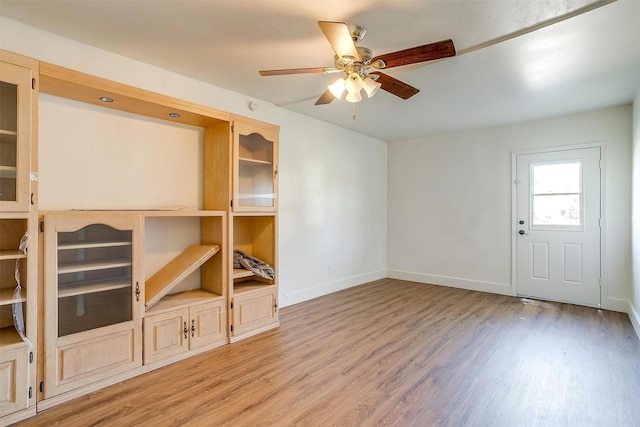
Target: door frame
[{"x": 604, "y": 296}]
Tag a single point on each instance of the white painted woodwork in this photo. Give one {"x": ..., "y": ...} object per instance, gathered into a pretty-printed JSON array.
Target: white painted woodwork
[{"x": 560, "y": 262}]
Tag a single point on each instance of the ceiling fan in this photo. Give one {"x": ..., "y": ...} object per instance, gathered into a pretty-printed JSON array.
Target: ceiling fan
[{"x": 355, "y": 63}]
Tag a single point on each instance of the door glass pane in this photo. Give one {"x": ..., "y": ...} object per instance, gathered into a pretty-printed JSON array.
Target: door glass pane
[
  {"x": 557, "y": 209},
  {"x": 94, "y": 278},
  {"x": 556, "y": 194},
  {"x": 556, "y": 178},
  {"x": 255, "y": 171},
  {"x": 8, "y": 140}
]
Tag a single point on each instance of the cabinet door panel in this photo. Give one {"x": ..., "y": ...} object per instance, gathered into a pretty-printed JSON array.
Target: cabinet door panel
[
  {"x": 92, "y": 327},
  {"x": 13, "y": 381},
  {"x": 208, "y": 324},
  {"x": 83, "y": 360},
  {"x": 164, "y": 335},
  {"x": 253, "y": 311},
  {"x": 15, "y": 137},
  {"x": 255, "y": 152}
]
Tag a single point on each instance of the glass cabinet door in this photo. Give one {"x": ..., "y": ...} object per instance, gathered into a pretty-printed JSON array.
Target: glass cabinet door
[
  {"x": 93, "y": 298},
  {"x": 94, "y": 278},
  {"x": 15, "y": 134},
  {"x": 255, "y": 177}
]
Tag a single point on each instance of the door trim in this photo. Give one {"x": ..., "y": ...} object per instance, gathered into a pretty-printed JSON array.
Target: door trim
[{"x": 604, "y": 296}]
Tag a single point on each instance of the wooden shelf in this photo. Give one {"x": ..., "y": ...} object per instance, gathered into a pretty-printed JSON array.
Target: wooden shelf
[
  {"x": 10, "y": 340},
  {"x": 76, "y": 267},
  {"x": 92, "y": 245},
  {"x": 239, "y": 273},
  {"x": 12, "y": 254},
  {"x": 8, "y": 132},
  {"x": 8, "y": 172},
  {"x": 250, "y": 286},
  {"x": 177, "y": 270},
  {"x": 6, "y": 296},
  {"x": 93, "y": 286},
  {"x": 250, "y": 161},
  {"x": 183, "y": 300}
]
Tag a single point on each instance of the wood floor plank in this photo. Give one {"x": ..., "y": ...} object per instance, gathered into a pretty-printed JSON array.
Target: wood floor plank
[{"x": 394, "y": 353}]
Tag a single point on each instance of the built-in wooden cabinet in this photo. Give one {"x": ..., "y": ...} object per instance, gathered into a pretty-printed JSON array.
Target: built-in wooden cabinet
[
  {"x": 92, "y": 292},
  {"x": 18, "y": 236},
  {"x": 17, "y": 97},
  {"x": 255, "y": 167},
  {"x": 241, "y": 176},
  {"x": 177, "y": 331},
  {"x": 112, "y": 302},
  {"x": 254, "y": 299}
]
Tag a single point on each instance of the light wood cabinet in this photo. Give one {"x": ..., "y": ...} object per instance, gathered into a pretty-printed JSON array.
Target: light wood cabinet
[
  {"x": 255, "y": 309},
  {"x": 14, "y": 384},
  {"x": 18, "y": 223},
  {"x": 254, "y": 299},
  {"x": 255, "y": 167},
  {"x": 92, "y": 292},
  {"x": 18, "y": 96},
  {"x": 241, "y": 176},
  {"x": 190, "y": 328},
  {"x": 105, "y": 319}
]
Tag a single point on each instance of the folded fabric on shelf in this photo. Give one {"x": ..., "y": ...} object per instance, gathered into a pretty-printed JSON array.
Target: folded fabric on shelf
[{"x": 257, "y": 266}]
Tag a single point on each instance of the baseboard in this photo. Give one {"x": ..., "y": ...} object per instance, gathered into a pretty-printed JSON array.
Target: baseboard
[
  {"x": 290, "y": 298},
  {"x": 634, "y": 316},
  {"x": 617, "y": 304},
  {"x": 453, "y": 282}
]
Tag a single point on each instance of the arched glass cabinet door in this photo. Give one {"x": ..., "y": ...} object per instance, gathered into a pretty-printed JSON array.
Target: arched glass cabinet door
[
  {"x": 93, "y": 298},
  {"x": 15, "y": 137},
  {"x": 255, "y": 168}
]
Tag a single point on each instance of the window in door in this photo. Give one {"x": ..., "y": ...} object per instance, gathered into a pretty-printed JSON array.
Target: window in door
[{"x": 556, "y": 195}]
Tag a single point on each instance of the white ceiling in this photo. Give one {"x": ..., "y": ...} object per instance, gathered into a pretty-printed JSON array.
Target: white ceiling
[{"x": 589, "y": 60}]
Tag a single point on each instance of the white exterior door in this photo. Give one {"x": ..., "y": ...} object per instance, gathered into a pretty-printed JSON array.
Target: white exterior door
[{"x": 558, "y": 225}]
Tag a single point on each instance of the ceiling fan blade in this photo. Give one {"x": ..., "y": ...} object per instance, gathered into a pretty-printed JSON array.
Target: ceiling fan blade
[
  {"x": 298, "y": 71},
  {"x": 340, "y": 39},
  {"x": 413, "y": 55},
  {"x": 325, "y": 98},
  {"x": 395, "y": 86}
]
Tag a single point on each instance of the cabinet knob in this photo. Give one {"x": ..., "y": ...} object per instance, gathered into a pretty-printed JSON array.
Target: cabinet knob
[
  {"x": 193, "y": 328},
  {"x": 186, "y": 331}
]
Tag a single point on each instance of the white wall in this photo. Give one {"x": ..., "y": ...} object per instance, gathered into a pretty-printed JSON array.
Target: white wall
[
  {"x": 635, "y": 300},
  {"x": 333, "y": 209},
  {"x": 450, "y": 209},
  {"x": 332, "y": 228}
]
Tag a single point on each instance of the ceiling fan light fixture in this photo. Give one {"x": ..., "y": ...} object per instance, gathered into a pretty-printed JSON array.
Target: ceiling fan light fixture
[
  {"x": 353, "y": 97},
  {"x": 371, "y": 86},
  {"x": 353, "y": 83},
  {"x": 337, "y": 88}
]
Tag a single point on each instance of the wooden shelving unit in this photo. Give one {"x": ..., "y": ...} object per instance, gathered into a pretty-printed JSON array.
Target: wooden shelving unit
[{"x": 161, "y": 283}]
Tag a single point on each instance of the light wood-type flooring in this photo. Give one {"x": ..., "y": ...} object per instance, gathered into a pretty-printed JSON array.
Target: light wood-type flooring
[{"x": 394, "y": 353}]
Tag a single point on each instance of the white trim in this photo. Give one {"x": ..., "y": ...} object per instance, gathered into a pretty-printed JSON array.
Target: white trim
[
  {"x": 286, "y": 299},
  {"x": 452, "y": 282},
  {"x": 634, "y": 316},
  {"x": 514, "y": 213},
  {"x": 617, "y": 304}
]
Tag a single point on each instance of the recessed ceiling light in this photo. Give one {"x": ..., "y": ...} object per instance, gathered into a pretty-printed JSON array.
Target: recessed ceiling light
[
  {"x": 174, "y": 115},
  {"x": 106, "y": 99}
]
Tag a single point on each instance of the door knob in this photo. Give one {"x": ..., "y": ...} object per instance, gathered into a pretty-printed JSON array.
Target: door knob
[{"x": 522, "y": 233}]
